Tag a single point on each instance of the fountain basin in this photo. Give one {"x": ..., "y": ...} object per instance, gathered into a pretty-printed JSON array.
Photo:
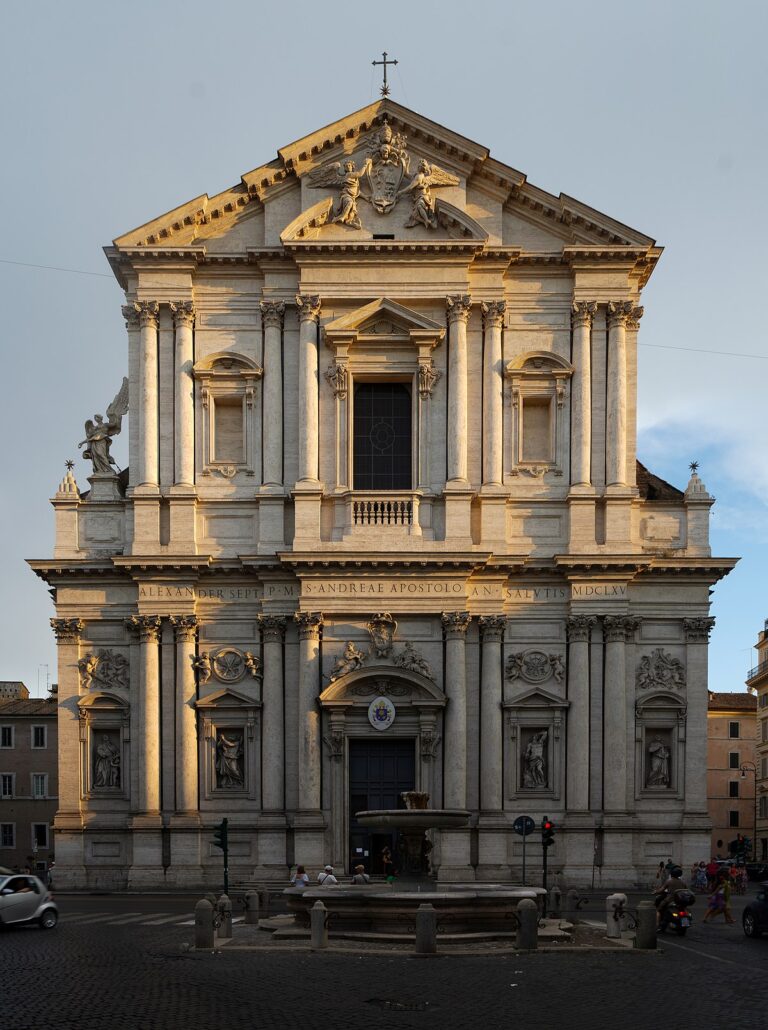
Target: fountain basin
[{"x": 415, "y": 820}]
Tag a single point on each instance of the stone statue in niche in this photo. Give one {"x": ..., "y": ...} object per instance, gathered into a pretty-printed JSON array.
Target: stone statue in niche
[
  {"x": 423, "y": 203},
  {"x": 201, "y": 663},
  {"x": 106, "y": 764},
  {"x": 351, "y": 659},
  {"x": 98, "y": 434},
  {"x": 410, "y": 658},
  {"x": 229, "y": 755},
  {"x": 347, "y": 181},
  {"x": 534, "y": 761},
  {"x": 658, "y": 763}
]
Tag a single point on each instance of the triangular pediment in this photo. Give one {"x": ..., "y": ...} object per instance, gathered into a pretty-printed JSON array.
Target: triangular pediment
[
  {"x": 226, "y": 697},
  {"x": 384, "y": 317},
  {"x": 536, "y": 697}
]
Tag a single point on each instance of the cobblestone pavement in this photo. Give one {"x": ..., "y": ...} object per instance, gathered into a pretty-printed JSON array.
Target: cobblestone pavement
[{"x": 133, "y": 976}]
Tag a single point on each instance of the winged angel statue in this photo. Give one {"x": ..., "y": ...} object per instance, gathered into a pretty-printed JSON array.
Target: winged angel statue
[
  {"x": 98, "y": 434},
  {"x": 423, "y": 209}
]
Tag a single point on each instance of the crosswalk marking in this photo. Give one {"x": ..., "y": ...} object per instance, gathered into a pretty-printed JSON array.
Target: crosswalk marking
[
  {"x": 81, "y": 917},
  {"x": 111, "y": 915},
  {"x": 168, "y": 919},
  {"x": 127, "y": 918},
  {"x": 136, "y": 918}
]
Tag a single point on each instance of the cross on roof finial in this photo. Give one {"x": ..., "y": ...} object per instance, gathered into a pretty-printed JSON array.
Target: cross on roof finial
[{"x": 385, "y": 62}]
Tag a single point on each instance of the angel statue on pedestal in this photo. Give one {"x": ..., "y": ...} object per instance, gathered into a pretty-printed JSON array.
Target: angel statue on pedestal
[
  {"x": 423, "y": 209},
  {"x": 98, "y": 434}
]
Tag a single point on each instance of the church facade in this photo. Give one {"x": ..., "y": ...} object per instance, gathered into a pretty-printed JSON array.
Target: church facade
[{"x": 383, "y": 528}]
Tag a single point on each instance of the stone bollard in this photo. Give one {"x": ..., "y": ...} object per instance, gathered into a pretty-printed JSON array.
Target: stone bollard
[
  {"x": 204, "y": 924},
  {"x": 426, "y": 930},
  {"x": 646, "y": 926},
  {"x": 212, "y": 899},
  {"x": 614, "y": 903},
  {"x": 571, "y": 910},
  {"x": 225, "y": 908},
  {"x": 251, "y": 907},
  {"x": 264, "y": 898},
  {"x": 318, "y": 926},
  {"x": 527, "y": 925},
  {"x": 555, "y": 897}
]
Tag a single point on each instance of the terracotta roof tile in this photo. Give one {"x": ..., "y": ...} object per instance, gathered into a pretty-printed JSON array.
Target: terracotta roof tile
[{"x": 731, "y": 701}]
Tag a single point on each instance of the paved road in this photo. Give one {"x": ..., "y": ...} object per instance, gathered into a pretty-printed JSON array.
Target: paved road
[{"x": 114, "y": 963}]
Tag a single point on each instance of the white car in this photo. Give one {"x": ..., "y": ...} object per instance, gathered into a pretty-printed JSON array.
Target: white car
[{"x": 25, "y": 899}]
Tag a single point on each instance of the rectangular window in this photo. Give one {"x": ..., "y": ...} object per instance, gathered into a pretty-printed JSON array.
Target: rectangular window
[
  {"x": 39, "y": 785},
  {"x": 536, "y": 429},
  {"x": 6, "y": 785},
  {"x": 382, "y": 437},
  {"x": 763, "y": 807},
  {"x": 228, "y": 443},
  {"x": 733, "y": 730},
  {"x": 733, "y": 760},
  {"x": 6, "y": 736},
  {"x": 764, "y": 768},
  {"x": 764, "y": 731},
  {"x": 40, "y": 835},
  {"x": 733, "y": 818},
  {"x": 733, "y": 789},
  {"x": 764, "y": 700},
  {"x": 7, "y": 835},
  {"x": 39, "y": 736}
]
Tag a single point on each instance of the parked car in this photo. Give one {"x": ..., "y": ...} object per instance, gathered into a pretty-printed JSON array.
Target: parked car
[
  {"x": 755, "y": 918},
  {"x": 25, "y": 899}
]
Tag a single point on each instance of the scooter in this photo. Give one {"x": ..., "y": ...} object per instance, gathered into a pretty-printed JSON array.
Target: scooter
[{"x": 677, "y": 914}]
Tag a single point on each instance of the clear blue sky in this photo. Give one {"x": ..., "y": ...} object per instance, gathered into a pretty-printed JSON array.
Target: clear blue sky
[{"x": 652, "y": 113}]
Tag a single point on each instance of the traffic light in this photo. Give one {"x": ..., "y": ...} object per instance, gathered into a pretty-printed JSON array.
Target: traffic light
[
  {"x": 547, "y": 832},
  {"x": 220, "y": 838}
]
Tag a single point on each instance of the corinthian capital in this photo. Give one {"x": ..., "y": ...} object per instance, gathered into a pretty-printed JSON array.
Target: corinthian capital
[
  {"x": 493, "y": 313},
  {"x": 309, "y": 624},
  {"x": 459, "y": 305},
  {"x": 147, "y": 627},
  {"x": 272, "y": 312},
  {"x": 148, "y": 312},
  {"x": 273, "y": 627},
  {"x": 619, "y": 627},
  {"x": 131, "y": 315},
  {"x": 183, "y": 312},
  {"x": 579, "y": 627},
  {"x": 185, "y": 627},
  {"x": 619, "y": 312},
  {"x": 67, "y": 630},
  {"x": 697, "y": 630},
  {"x": 582, "y": 313},
  {"x": 492, "y": 627},
  {"x": 455, "y": 624},
  {"x": 336, "y": 377},
  {"x": 633, "y": 322},
  {"x": 309, "y": 307}
]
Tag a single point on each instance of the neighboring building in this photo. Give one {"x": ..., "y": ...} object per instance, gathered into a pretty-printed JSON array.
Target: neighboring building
[
  {"x": 13, "y": 690},
  {"x": 730, "y": 749},
  {"x": 383, "y": 528},
  {"x": 758, "y": 680},
  {"x": 28, "y": 781}
]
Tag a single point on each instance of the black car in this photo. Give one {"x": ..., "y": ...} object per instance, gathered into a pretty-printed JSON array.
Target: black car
[{"x": 755, "y": 918}]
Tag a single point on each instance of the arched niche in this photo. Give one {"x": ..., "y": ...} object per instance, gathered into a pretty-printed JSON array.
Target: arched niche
[
  {"x": 104, "y": 746},
  {"x": 226, "y": 384},
  {"x": 538, "y": 382},
  {"x": 660, "y": 742}
]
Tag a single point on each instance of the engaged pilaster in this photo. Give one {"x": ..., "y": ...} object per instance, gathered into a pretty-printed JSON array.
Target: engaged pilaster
[
  {"x": 309, "y": 624},
  {"x": 148, "y": 455},
  {"x": 459, "y": 307},
  {"x": 272, "y": 313},
  {"x": 185, "y": 631},
  {"x": 183, "y": 312},
  {"x": 272, "y": 713},
  {"x": 493, "y": 321},
  {"x": 582, "y": 313},
  {"x": 697, "y": 633},
  {"x": 617, "y": 629},
  {"x": 68, "y": 633},
  {"x": 148, "y": 629},
  {"x": 309, "y": 318},
  {"x": 492, "y": 629},
  {"x": 131, "y": 316},
  {"x": 579, "y": 628},
  {"x": 455, "y": 625}
]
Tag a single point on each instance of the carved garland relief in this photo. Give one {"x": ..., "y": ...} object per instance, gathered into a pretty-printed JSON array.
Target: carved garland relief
[
  {"x": 535, "y": 666},
  {"x": 660, "y": 670}
]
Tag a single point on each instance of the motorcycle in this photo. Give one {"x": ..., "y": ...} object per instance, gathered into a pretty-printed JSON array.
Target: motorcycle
[{"x": 677, "y": 914}]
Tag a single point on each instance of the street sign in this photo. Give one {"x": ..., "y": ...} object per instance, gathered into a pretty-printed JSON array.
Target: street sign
[{"x": 523, "y": 825}]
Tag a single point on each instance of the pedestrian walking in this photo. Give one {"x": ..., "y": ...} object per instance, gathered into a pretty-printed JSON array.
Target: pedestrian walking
[{"x": 720, "y": 901}]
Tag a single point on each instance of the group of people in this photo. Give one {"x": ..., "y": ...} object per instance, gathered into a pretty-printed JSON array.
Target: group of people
[
  {"x": 327, "y": 877},
  {"x": 709, "y": 878}
]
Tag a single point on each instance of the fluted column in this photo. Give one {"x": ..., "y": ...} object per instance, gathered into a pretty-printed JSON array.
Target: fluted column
[
  {"x": 455, "y": 625},
  {"x": 185, "y": 630},
  {"x": 579, "y": 628},
  {"x": 272, "y": 313},
  {"x": 697, "y": 632},
  {"x": 309, "y": 318},
  {"x": 148, "y": 629},
  {"x": 492, "y": 629},
  {"x": 493, "y": 321},
  {"x": 582, "y": 313},
  {"x": 309, "y": 624},
  {"x": 131, "y": 316},
  {"x": 459, "y": 307},
  {"x": 272, "y": 712},
  {"x": 148, "y": 455},
  {"x": 616, "y": 629},
  {"x": 184, "y": 393},
  {"x": 616, "y": 428}
]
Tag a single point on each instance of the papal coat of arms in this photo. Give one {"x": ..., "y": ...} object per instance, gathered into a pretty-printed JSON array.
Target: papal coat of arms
[{"x": 381, "y": 713}]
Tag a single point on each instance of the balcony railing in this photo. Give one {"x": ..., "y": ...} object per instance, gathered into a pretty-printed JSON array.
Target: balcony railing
[{"x": 759, "y": 670}]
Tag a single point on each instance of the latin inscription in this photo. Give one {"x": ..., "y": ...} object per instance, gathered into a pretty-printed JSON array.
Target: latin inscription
[{"x": 392, "y": 588}]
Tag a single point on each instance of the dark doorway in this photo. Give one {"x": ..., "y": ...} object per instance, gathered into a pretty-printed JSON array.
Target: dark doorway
[
  {"x": 378, "y": 771},
  {"x": 382, "y": 437}
]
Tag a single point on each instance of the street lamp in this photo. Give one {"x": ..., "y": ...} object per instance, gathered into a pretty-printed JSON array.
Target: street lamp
[{"x": 744, "y": 768}]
